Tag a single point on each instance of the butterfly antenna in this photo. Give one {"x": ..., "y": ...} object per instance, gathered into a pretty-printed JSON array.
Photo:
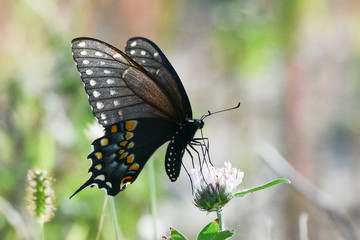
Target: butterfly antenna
[{"x": 224, "y": 110}]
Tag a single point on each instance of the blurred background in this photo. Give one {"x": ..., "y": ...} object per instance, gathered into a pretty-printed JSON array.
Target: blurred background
[{"x": 293, "y": 65}]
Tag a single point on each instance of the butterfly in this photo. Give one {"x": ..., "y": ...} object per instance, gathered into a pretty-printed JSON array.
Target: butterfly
[{"x": 140, "y": 101}]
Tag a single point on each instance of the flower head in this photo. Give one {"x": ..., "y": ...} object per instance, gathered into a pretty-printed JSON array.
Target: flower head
[
  {"x": 40, "y": 196},
  {"x": 214, "y": 187}
]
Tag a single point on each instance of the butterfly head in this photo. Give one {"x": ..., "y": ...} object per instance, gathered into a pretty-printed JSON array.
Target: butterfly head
[
  {"x": 199, "y": 123},
  {"x": 194, "y": 124}
]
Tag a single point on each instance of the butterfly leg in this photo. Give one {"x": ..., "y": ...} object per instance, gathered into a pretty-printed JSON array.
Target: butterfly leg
[
  {"x": 187, "y": 172},
  {"x": 204, "y": 144},
  {"x": 194, "y": 143},
  {"x": 202, "y": 162}
]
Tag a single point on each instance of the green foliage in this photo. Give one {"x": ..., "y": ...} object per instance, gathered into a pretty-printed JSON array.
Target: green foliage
[
  {"x": 249, "y": 34},
  {"x": 209, "y": 232},
  {"x": 175, "y": 235},
  {"x": 212, "y": 232},
  {"x": 267, "y": 185}
]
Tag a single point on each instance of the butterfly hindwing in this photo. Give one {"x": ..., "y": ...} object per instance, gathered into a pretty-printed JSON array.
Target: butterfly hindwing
[{"x": 119, "y": 156}]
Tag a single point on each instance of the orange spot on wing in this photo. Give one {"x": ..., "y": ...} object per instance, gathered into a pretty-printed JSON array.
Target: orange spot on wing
[
  {"x": 104, "y": 141},
  {"x": 98, "y": 155},
  {"x": 126, "y": 180},
  {"x": 114, "y": 129},
  {"x": 130, "y": 158},
  {"x": 123, "y": 156},
  {"x": 134, "y": 167},
  {"x": 130, "y": 125},
  {"x": 128, "y": 135},
  {"x": 98, "y": 167}
]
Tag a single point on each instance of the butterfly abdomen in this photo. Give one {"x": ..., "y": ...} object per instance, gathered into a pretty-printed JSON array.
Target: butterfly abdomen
[{"x": 177, "y": 146}]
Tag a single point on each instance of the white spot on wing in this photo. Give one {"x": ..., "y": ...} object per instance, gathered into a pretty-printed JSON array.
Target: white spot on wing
[
  {"x": 102, "y": 62},
  {"x": 99, "y": 54},
  {"x": 132, "y": 52},
  {"x": 92, "y": 82},
  {"x": 89, "y": 72},
  {"x": 103, "y": 116},
  {"x": 99, "y": 105},
  {"x": 83, "y": 52},
  {"x": 133, "y": 44},
  {"x": 112, "y": 92},
  {"x": 120, "y": 113},
  {"x": 116, "y": 102},
  {"x": 106, "y": 71},
  {"x": 96, "y": 94},
  {"x": 100, "y": 177},
  {"x": 110, "y": 81},
  {"x": 131, "y": 145},
  {"x": 143, "y": 53},
  {"x": 82, "y": 44},
  {"x": 86, "y": 61},
  {"x": 117, "y": 55},
  {"x": 109, "y": 184},
  {"x": 156, "y": 54}
]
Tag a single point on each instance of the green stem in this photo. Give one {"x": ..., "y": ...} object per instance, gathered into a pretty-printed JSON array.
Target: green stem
[
  {"x": 152, "y": 188},
  {"x": 42, "y": 237},
  {"x": 102, "y": 218},
  {"x": 114, "y": 217},
  {"x": 221, "y": 222}
]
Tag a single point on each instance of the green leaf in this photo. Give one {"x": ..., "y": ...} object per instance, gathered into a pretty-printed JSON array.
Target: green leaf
[
  {"x": 223, "y": 235},
  {"x": 175, "y": 235},
  {"x": 270, "y": 184},
  {"x": 211, "y": 232}
]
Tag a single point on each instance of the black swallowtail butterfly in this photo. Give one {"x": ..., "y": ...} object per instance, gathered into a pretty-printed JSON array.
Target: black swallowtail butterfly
[{"x": 140, "y": 101}]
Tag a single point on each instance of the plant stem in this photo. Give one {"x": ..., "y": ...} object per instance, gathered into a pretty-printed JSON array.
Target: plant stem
[
  {"x": 114, "y": 217},
  {"x": 221, "y": 222},
  {"x": 102, "y": 218},
  {"x": 42, "y": 237},
  {"x": 152, "y": 188}
]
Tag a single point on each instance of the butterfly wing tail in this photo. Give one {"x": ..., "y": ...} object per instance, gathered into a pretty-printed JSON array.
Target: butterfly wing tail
[{"x": 85, "y": 185}]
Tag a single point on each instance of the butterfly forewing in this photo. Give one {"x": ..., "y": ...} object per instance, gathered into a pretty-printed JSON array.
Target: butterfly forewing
[
  {"x": 151, "y": 58},
  {"x": 118, "y": 88}
]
